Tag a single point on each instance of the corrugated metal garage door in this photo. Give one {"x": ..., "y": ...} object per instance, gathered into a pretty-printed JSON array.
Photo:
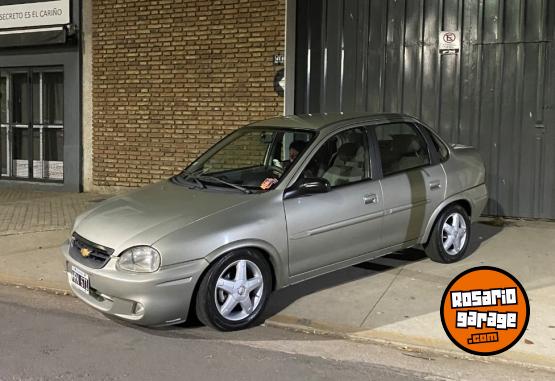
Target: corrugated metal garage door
[{"x": 496, "y": 94}]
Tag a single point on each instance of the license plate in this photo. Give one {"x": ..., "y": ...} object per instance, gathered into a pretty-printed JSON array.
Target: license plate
[{"x": 80, "y": 279}]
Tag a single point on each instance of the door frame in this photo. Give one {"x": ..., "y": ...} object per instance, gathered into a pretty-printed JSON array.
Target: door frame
[{"x": 373, "y": 177}]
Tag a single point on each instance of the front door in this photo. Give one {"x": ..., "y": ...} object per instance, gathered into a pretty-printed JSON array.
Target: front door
[
  {"x": 32, "y": 124},
  {"x": 331, "y": 227}
]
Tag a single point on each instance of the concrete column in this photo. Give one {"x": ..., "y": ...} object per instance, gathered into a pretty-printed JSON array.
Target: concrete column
[
  {"x": 87, "y": 98},
  {"x": 290, "y": 32}
]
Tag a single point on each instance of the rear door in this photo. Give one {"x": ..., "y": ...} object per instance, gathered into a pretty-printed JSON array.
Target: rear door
[
  {"x": 331, "y": 227},
  {"x": 413, "y": 181}
]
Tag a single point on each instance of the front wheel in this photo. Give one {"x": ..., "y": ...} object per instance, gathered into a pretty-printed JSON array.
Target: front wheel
[
  {"x": 234, "y": 291},
  {"x": 450, "y": 236}
]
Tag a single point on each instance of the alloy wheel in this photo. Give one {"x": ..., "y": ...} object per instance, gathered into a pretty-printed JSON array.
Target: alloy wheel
[
  {"x": 239, "y": 290},
  {"x": 454, "y": 234}
]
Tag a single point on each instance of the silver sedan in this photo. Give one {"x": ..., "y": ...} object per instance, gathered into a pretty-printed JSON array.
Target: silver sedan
[{"x": 274, "y": 203}]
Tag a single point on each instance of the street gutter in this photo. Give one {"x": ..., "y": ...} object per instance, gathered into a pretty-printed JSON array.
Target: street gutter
[{"x": 412, "y": 345}]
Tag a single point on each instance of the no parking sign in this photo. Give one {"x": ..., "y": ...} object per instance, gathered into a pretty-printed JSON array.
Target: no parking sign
[{"x": 449, "y": 42}]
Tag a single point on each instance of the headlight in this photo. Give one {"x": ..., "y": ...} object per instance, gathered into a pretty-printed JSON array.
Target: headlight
[{"x": 140, "y": 259}]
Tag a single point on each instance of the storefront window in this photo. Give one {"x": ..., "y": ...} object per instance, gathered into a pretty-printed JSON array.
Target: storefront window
[
  {"x": 48, "y": 98},
  {"x": 53, "y": 98},
  {"x": 40, "y": 100},
  {"x": 3, "y": 99},
  {"x": 3, "y": 124},
  {"x": 3, "y": 150},
  {"x": 53, "y": 144},
  {"x": 20, "y": 99},
  {"x": 36, "y": 98}
]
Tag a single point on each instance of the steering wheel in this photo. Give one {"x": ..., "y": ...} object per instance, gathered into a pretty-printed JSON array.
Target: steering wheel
[
  {"x": 276, "y": 167},
  {"x": 277, "y": 171}
]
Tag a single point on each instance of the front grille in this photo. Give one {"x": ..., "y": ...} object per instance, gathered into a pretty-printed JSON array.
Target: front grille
[{"x": 97, "y": 256}]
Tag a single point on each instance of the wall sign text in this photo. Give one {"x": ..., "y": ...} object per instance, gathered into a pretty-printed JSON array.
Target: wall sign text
[{"x": 42, "y": 13}]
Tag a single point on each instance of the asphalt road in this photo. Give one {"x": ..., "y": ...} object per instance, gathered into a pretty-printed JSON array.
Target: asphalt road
[{"x": 50, "y": 337}]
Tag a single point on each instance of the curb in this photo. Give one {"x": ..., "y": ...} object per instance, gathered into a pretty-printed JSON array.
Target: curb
[
  {"x": 406, "y": 343},
  {"x": 7, "y": 280},
  {"x": 23, "y": 232},
  {"x": 399, "y": 341}
]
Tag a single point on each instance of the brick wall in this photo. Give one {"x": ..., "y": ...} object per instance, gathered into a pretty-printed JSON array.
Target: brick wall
[
  {"x": 247, "y": 151},
  {"x": 170, "y": 78}
]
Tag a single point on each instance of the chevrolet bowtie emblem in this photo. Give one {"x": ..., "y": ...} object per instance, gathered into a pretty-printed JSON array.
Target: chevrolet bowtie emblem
[{"x": 85, "y": 252}]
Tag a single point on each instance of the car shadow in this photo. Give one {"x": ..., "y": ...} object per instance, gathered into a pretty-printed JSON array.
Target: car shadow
[{"x": 281, "y": 299}]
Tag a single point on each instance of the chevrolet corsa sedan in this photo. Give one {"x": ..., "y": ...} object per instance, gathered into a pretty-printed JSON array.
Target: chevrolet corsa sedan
[{"x": 272, "y": 204}]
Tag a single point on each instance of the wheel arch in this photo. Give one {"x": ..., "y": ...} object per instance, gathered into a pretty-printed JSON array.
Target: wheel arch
[
  {"x": 261, "y": 247},
  {"x": 461, "y": 201},
  {"x": 266, "y": 250}
]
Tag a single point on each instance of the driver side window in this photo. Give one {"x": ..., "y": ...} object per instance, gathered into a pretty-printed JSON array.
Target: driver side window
[
  {"x": 342, "y": 159},
  {"x": 287, "y": 147}
]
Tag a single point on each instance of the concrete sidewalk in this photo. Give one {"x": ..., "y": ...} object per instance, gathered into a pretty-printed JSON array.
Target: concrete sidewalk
[
  {"x": 33, "y": 224},
  {"x": 393, "y": 299}
]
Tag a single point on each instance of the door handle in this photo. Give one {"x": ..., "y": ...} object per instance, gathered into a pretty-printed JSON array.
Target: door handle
[
  {"x": 435, "y": 185},
  {"x": 370, "y": 199}
]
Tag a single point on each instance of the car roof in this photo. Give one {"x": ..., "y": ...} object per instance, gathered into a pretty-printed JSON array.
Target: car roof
[{"x": 321, "y": 121}]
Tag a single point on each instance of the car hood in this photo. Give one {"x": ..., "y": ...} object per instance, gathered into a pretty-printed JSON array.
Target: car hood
[{"x": 144, "y": 216}]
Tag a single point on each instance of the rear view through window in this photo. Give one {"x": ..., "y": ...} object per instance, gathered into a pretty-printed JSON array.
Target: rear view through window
[{"x": 401, "y": 148}]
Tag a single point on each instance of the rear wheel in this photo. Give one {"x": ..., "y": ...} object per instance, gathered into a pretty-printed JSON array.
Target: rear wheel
[
  {"x": 450, "y": 236},
  {"x": 234, "y": 291}
]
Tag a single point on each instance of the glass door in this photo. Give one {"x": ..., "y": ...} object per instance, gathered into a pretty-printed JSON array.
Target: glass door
[{"x": 31, "y": 124}]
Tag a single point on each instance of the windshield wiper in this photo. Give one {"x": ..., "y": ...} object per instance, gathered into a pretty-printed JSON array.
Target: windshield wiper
[
  {"x": 199, "y": 175},
  {"x": 198, "y": 172},
  {"x": 194, "y": 177},
  {"x": 218, "y": 180}
]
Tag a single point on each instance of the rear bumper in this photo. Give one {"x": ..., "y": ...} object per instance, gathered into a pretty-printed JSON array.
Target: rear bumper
[
  {"x": 153, "y": 299},
  {"x": 478, "y": 196}
]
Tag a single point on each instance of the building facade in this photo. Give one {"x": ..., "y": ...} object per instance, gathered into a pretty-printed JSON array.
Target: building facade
[
  {"x": 481, "y": 73},
  {"x": 170, "y": 78},
  {"x": 40, "y": 92},
  {"x": 123, "y": 93}
]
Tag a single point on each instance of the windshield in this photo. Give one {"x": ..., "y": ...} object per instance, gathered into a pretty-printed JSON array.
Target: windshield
[{"x": 250, "y": 159}]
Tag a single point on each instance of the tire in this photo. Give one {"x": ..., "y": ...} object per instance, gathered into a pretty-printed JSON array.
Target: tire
[
  {"x": 223, "y": 287},
  {"x": 446, "y": 245}
]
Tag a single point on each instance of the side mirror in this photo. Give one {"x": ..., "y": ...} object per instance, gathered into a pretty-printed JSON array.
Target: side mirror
[{"x": 314, "y": 185}]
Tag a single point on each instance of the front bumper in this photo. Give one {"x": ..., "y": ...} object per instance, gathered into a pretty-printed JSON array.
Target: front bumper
[{"x": 150, "y": 299}]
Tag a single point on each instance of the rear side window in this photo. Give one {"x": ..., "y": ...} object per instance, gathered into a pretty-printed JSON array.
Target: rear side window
[{"x": 401, "y": 148}]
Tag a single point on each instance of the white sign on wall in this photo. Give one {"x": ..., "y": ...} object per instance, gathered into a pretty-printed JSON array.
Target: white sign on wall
[
  {"x": 42, "y": 13},
  {"x": 449, "y": 40}
]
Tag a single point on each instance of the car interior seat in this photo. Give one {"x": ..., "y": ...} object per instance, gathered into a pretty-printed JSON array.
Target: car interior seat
[
  {"x": 409, "y": 151},
  {"x": 346, "y": 167},
  {"x": 322, "y": 160}
]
